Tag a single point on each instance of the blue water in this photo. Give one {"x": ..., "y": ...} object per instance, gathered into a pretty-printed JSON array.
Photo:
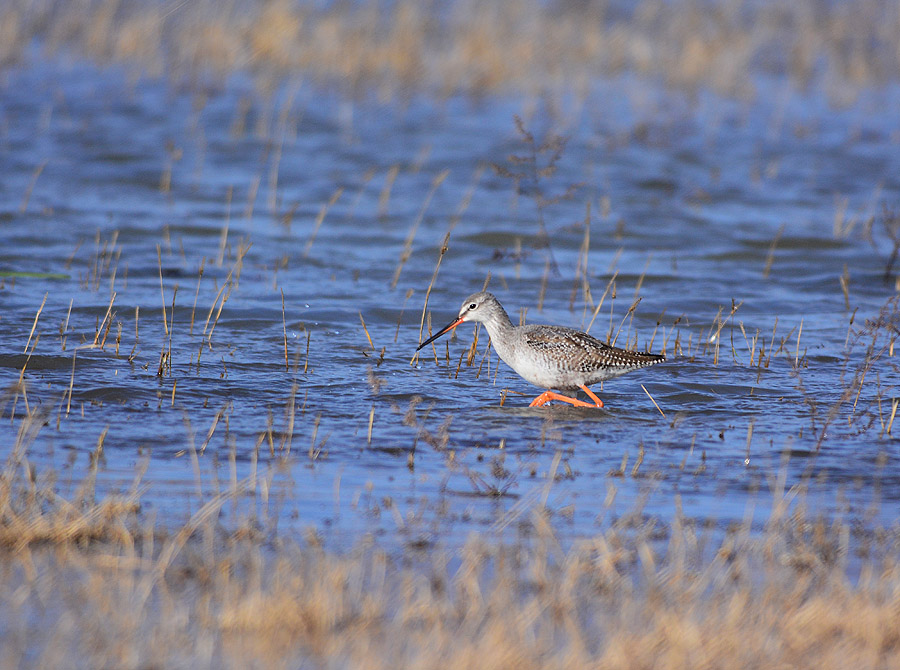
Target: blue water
[{"x": 686, "y": 196}]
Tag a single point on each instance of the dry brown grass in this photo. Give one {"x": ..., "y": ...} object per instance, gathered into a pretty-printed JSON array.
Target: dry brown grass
[
  {"x": 474, "y": 45},
  {"x": 95, "y": 583}
]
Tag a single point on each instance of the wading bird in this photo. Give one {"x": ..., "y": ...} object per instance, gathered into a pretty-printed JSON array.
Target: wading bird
[{"x": 551, "y": 357}]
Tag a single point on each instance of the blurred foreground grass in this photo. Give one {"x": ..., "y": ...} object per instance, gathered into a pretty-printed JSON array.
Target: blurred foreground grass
[
  {"x": 98, "y": 583},
  {"x": 473, "y": 46}
]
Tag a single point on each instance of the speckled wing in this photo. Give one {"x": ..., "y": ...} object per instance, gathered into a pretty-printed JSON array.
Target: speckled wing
[
  {"x": 572, "y": 350},
  {"x": 566, "y": 347}
]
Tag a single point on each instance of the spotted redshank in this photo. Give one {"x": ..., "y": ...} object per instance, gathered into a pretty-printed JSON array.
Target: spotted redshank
[{"x": 552, "y": 357}]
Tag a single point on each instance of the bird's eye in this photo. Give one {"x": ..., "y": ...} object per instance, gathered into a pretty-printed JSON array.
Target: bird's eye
[{"x": 472, "y": 305}]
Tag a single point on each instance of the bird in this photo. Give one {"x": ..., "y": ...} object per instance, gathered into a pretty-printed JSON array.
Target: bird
[{"x": 550, "y": 357}]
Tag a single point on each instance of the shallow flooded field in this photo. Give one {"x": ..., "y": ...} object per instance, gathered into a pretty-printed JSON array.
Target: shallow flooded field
[
  {"x": 221, "y": 287},
  {"x": 203, "y": 283}
]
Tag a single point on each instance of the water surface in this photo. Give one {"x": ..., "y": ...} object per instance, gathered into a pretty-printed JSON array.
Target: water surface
[{"x": 117, "y": 191}]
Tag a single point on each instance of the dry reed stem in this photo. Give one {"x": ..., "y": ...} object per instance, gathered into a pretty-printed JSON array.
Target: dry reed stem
[
  {"x": 320, "y": 218},
  {"x": 287, "y": 366},
  {"x": 192, "y": 450},
  {"x": 306, "y": 357},
  {"x": 749, "y": 439},
  {"x": 628, "y": 313},
  {"x": 162, "y": 290},
  {"x": 770, "y": 257},
  {"x": 844, "y": 280},
  {"x": 653, "y": 401},
  {"x": 273, "y": 176},
  {"x": 609, "y": 285},
  {"x": 71, "y": 383},
  {"x": 444, "y": 247},
  {"x": 640, "y": 281},
  {"x": 366, "y": 331},
  {"x": 716, "y": 337},
  {"x": 34, "y": 325},
  {"x": 894, "y": 404},
  {"x": 223, "y": 238},
  {"x": 251, "y": 197},
  {"x": 385, "y": 195},
  {"x": 242, "y": 250},
  {"x": 65, "y": 326},
  {"x": 287, "y": 437},
  {"x": 581, "y": 267},
  {"x": 212, "y": 429},
  {"x": 21, "y": 387},
  {"x": 31, "y": 184},
  {"x": 106, "y": 316},
  {"x": 409, "y": 293},
  {"x": 171, "y": 331},
  {"x": 407, "y": 245},
  {"x": 315, "y": 432}
]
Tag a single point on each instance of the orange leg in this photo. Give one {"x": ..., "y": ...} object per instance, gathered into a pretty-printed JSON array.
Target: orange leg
[
  {"x": 591, "y": 395},
  {"x": 547, "y": 396}
]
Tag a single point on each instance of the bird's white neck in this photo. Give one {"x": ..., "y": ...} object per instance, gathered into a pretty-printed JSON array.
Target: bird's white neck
[{"x": 500, "y": 328}]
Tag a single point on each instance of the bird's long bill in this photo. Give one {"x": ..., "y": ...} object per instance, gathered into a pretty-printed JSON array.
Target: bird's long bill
[{"x": 446, "y": 329}]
